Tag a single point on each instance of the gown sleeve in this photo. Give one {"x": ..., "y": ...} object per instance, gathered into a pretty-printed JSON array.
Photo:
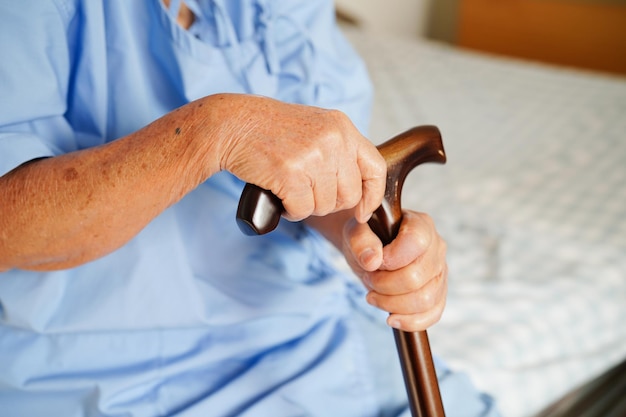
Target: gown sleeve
[{"x": 34, "y": 78}]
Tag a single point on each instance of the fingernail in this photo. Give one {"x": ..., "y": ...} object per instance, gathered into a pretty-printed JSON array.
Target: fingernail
[
  {"x": 395, "y": 323},
  {"x": 371, "y": 300},
  {"x": 367, "y": 256}
]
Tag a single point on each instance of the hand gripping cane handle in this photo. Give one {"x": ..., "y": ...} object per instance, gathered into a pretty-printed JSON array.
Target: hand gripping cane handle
[{"x": 259, "y": 212}]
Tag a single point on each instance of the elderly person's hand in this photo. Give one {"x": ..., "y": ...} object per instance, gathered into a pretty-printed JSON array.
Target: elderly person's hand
[
  {"x": 314, "y": 160},
  {"x": 408, "y": 277}
]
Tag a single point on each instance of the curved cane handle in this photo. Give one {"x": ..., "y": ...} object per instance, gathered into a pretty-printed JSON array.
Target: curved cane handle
[{"x": 403, "y": 153}]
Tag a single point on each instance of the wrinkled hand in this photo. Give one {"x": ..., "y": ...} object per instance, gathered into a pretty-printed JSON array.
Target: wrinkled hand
[
  {"x": 314, "y": 160},
  {"x": 408, "y": 277}
]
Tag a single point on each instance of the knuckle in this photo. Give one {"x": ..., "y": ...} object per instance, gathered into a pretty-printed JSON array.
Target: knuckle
[
  {"x": 291, "y": 172},
  {"x": 348, "y": 198},
  {"x": 413, "y": 324},
  {"x": 295, "y": 187},
  {"x": 337, "y": 115},
  {"x": 425, "y": 300},
  {"x": 415, "y": 276},
  {"x": 422, "y": 240}
]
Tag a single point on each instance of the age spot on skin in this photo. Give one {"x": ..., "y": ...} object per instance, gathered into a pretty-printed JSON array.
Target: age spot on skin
[{"x": 70, "y": 174}]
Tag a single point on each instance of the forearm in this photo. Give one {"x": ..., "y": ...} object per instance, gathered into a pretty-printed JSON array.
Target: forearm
[
  {"x": 70, "y": 209},
  {"x": 64, "y": 211}
]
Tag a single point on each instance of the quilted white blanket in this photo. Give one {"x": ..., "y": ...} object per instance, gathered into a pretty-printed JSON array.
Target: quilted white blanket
[{"x": 532, "y": 203}]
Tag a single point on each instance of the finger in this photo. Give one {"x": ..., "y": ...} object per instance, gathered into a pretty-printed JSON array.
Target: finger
[
  {"x": 373, "y": 170},
  {"x": 363, "y": 246},
  {"x": 410, "y": 279},
  {"x": 417, "y": 322},
  {"x": 349, "y": 189},
  {"x": 325, "y": 193},
  {"x": 298, "y": 205},
  {"x": 422, "y": 320},
  {"x": 420, "y": 301},
  {"x": 416, "y": 236}
]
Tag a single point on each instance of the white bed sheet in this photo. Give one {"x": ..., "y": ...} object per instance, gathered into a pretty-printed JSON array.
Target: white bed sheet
[{"x": 532, "y": 203}]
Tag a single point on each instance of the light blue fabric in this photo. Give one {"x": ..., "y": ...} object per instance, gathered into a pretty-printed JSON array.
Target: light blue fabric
[{"x": 190, "y": 318}]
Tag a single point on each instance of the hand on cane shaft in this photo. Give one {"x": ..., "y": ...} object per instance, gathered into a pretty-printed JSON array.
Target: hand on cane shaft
[{"x": 407, "y": 277}]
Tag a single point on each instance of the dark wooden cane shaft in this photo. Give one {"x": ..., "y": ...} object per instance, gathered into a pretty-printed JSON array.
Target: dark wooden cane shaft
[
  {"x": 419, "y": 373},
  {"x": 259, "y": 212}
]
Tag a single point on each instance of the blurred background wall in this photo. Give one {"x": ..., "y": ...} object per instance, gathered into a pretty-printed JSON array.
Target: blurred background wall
[{"x": 588, "y": 34}]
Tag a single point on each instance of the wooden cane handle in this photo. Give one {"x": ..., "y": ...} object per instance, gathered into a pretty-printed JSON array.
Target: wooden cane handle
[
  {"x": 403, "y": 153},
  {"x": 259, "y": 212}
]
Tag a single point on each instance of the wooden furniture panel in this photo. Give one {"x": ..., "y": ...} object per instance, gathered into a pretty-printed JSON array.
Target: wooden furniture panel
[{"x": 574, "y": 33}]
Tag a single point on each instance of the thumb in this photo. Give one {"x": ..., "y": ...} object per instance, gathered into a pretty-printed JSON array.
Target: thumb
[
  {"x": 373, "y": 176},
  {"x": 363, "y": 246}
]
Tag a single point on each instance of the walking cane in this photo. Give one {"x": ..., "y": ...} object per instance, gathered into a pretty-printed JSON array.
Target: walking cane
[{"x": 259, "y": 212}]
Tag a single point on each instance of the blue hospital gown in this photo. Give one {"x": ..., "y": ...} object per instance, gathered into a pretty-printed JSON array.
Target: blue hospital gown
[{"x": 190, "y": 318}]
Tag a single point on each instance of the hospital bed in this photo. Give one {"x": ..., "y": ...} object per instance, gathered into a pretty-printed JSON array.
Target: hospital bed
[{"x": 532, "y": 203}]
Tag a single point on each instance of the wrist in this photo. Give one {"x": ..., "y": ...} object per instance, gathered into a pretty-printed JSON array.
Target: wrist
[{"x": 332, "y": 226}]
